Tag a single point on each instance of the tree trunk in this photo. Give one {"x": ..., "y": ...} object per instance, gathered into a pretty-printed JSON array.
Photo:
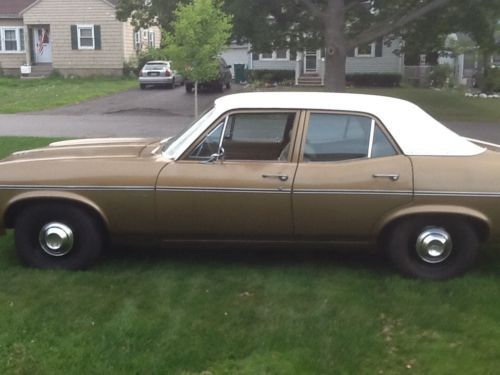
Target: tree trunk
[{"x": 335, "y": 59}]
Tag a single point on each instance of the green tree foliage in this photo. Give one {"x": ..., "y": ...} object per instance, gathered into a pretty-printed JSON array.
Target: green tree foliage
[
  {"x": 199, "y": 33},
  {"x": 476, "y": 18},
  {"x": 338, "y": 25}
]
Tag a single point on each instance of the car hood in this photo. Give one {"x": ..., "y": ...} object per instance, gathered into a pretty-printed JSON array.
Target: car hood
[{"x": 87, "y": 148}]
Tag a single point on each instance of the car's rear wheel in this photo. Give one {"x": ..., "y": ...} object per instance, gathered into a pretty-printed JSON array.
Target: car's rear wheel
[
  {"x": 189, "y": 88},
  {"x": 228, "y": 85},
  {"x": 58, "y": 235},
  {"x": 142, "y": 86},
  {"x": 433, "y": 248}
]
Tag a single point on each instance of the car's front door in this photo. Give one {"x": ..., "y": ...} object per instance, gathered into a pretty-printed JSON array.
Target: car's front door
[
  {"x": 234, "y": 182},
  {"x": 350, "y": 175}
]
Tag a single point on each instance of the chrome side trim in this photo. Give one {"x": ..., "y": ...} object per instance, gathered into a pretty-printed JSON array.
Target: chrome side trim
[
  {"x": 77, "y": 187},
  {"x": 354, "y": 192},
  {"x": 477, "y": 194},
  {"x": 222, "y": 190}
]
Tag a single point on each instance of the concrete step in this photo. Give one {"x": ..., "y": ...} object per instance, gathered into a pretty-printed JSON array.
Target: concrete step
[
  {"x": 41, "y": 70},
  {"x": 310, "y": 80}
]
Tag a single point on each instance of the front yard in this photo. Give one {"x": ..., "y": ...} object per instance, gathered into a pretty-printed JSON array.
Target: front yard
[
  {"x": 242, "y": 310},
  {"x": 34, "y": 95},
  {"x": 39, "y": 94}
]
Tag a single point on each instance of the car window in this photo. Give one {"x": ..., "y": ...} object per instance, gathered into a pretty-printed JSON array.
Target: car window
[
  {"x": 156, "y": 66},
  {"x": 335, "y": 137},
  {"x": 249, "y": 136}
]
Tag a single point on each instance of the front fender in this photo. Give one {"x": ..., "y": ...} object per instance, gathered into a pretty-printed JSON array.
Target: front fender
[{"x": 24, "y": 198}]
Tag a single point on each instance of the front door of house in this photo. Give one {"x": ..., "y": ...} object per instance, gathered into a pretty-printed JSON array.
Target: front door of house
[
  {"x": 42, "y": 44},
  {"x": 311, "y": 62}
]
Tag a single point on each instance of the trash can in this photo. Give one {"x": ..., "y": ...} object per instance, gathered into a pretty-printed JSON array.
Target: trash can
[{"x": 239, "y": 73}]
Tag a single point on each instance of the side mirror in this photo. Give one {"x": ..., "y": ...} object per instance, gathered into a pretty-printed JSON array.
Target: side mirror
[{"x": 215, "y": 157}]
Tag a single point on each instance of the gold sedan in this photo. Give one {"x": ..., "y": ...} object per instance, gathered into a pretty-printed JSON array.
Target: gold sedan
[{"x": 266, "y": 167}]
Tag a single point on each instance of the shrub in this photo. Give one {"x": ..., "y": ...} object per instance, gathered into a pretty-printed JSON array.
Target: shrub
[
  {"x": 490, "y": 82},
  {"x": 374, "y": 79},
  {"x": 440, "y": 75},
  {"x": 277, "y": 76}
]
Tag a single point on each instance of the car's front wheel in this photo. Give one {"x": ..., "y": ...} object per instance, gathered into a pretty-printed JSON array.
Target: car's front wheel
[
  {"x": 58, "y": 235},
  {"x": 434, "y": 248},
  {"x": 189, "y": 88}
]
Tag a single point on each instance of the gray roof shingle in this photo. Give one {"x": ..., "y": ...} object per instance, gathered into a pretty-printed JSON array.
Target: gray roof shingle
[{"x": 12, "y": 8}]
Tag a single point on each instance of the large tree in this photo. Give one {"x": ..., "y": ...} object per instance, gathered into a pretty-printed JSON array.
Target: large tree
[{"x": 336, "y": 25}]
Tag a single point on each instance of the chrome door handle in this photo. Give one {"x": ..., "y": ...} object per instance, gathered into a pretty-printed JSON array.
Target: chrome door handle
[
  {"x": 392, "y": 177},
  {"x": 281, "y": 177}
]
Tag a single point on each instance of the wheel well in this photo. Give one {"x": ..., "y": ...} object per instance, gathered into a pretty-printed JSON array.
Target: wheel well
[
  {"x": 480, "y": 227},
  {"x": 15, "y": 209}
]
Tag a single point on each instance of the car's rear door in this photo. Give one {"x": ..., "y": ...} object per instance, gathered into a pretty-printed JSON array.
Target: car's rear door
[{"x": 350, "y": 174}]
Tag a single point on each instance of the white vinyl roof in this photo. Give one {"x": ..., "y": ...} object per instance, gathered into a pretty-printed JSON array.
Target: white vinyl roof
[{"x": 415, "y": 131}]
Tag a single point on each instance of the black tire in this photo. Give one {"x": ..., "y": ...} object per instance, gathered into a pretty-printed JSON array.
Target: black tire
[
  {"x": 220, "y": 87},
  {"x": 87, "y": 234},
  {"x": 142, "y": 86},
  {"x": 455, "y": 260},
  {"x": 189, "y": 88},
  {"x": 171, "y": 85},
  {"x": 228, "y": 85}
]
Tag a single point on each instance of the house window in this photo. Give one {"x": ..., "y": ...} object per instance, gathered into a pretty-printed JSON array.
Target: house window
[
  {"x": 11, "y": 39},
  {"x": 151, "y": 39},
  {"x": 366, "y": 50},
  {"x": 137, "y": 41},
  {"x": 276, "y": 55},
  {"x": 86, "y": 38}
]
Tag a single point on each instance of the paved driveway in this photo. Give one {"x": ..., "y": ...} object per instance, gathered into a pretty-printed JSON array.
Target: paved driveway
[
  {"x": 134, "y": 113},
  {"x": 150, "y": 113}
]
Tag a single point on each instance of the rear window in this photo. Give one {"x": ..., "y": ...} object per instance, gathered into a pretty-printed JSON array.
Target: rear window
[{"x": 157, "y": 66}]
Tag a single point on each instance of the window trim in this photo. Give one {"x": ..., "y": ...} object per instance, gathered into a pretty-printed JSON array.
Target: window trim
[
  {"x": 375, "y": 122},
  {"x": 184, "y": 157},
  {"x": 371, "y": 54},
  {"x": 78, "y": 35},
  {"x": 17, "y": 30},
  {"x": 274, "y": 57}
]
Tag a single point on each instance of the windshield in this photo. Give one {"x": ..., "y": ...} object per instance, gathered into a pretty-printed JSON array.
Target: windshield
[{"x": 175, "y": 144}]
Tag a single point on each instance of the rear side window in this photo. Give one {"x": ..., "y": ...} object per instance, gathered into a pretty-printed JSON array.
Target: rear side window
[{"x": 336, "y": 137}]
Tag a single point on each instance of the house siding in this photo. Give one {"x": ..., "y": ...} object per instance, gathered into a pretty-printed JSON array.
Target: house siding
[
  {"x": 388, "y": 63},
  {"x": 273, "y": 65},
  {"x": 9, "y": 61},
  {"x": 128, "y": 42},
  {"x": 60, "y": 15}
]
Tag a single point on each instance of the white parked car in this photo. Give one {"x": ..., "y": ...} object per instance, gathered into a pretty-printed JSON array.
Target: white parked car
[{"x": 159, "y": 73}]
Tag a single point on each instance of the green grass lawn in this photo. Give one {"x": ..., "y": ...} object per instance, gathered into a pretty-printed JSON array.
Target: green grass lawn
[
  {"x": 444, "y": 105},
  {"x": 448, "y": 105},
  {"x": 244, "y": 311},
  {"x": 38, "y": 94}
]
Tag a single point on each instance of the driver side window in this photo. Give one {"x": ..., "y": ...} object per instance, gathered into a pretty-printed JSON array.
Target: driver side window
[{"x": 248, "y": 136}]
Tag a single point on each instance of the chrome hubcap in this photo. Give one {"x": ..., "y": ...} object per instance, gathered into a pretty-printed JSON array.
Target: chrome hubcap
[
  {"x": 434, "y": 245},
  {"x": 56, "y": 239}
]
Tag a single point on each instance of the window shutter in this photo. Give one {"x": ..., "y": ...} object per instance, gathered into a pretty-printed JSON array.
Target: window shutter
[
  {"x": 97, "y": 37},
  {"x": 350, "y": 52},
  {"x": 379, "y": 44},
  {"x": 74, "y": 37}
]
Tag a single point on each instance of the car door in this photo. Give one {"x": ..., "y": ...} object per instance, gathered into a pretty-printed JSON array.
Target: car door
[
  {"x": 349, "y": 176},
  {"x": 234, "y": 182}
]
